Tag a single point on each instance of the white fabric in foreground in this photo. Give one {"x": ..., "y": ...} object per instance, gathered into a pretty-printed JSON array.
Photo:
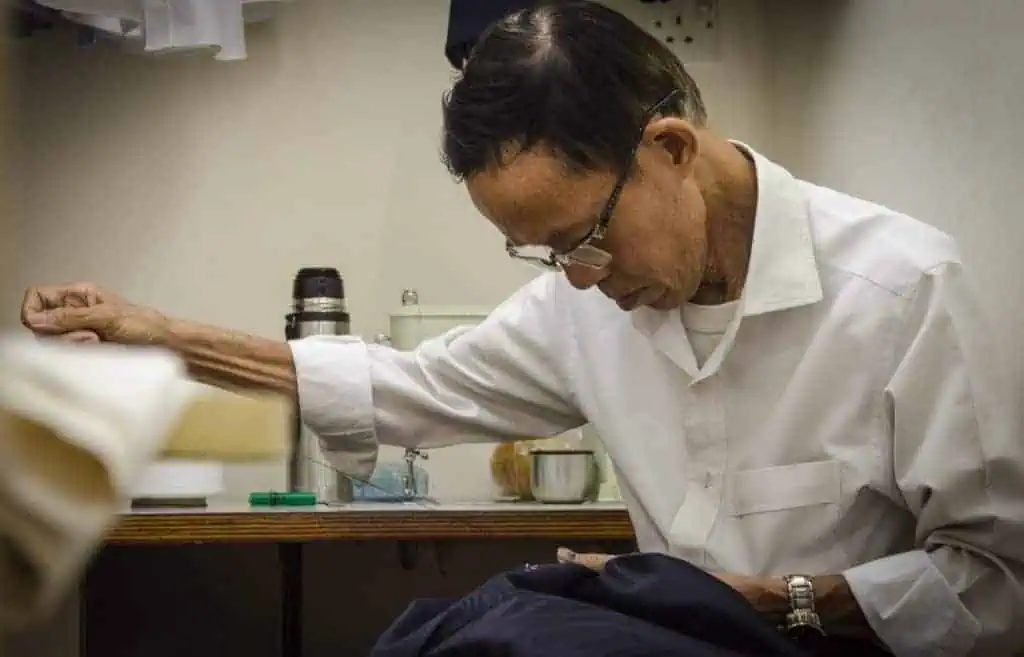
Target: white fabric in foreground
[{"x": 77, "y": 425}]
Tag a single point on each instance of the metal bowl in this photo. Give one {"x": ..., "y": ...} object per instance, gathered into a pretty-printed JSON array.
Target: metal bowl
[{"x": 562, "y": 476}]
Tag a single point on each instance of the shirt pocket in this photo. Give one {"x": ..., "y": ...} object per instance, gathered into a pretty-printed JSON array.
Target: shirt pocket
[
  {"x": 785, "y": 487},
  {"x": 784, "y": 518}
]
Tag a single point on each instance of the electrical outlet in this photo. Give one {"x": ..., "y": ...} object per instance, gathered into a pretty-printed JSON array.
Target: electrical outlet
[{"x": 688, "y": 27}]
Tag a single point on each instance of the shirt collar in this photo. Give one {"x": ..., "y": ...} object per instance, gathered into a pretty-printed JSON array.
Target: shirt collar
[{"x": 783, "y": 272}]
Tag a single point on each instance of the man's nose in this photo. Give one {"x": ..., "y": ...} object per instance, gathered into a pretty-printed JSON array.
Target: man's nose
[{"x": 582, "y": 277}]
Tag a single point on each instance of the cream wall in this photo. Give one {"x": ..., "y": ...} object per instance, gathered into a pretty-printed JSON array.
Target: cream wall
[
  {"x": 200, "y": 187},
  {"x": 917, "y": 105},
  {"x": 9, "y": 187}
]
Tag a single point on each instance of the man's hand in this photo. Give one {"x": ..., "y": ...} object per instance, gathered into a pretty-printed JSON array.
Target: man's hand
[
  {"x": 835, "y": 602},
  {"x": 83, "y": 312},
  {"x": 220, "y": 357},
  {"x": 766, "y": 595},
  {"x": 593, "y": 561}
]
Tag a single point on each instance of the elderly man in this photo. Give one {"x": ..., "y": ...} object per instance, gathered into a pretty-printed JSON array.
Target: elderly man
[{"x": 793, "y": 384}]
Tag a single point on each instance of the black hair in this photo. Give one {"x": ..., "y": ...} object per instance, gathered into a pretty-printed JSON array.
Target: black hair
[{"x": 577, "y": 78}]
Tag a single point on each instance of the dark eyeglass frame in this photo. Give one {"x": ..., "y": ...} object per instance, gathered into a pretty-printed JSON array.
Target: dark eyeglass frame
[{"x": 584, "y": 252}]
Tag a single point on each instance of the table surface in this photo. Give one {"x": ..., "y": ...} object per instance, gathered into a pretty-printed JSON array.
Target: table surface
[{"x": 366, "y": 521}]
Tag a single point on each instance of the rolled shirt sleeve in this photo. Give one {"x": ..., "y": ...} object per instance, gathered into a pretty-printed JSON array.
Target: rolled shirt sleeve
[
  {"x": 335, "y": 389},
  {"x": 958, "y": 454},
  {"x": 503, "y": 379}
]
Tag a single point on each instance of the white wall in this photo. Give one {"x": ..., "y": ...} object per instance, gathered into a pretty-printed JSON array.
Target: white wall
[
  {"x": 200, "y": 187},
  {"x": 9, "y": 193},
  {"x": 917, "y": 105}
]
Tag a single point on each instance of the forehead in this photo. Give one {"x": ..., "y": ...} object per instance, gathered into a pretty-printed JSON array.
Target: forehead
[{"x": 534, "y": 196}]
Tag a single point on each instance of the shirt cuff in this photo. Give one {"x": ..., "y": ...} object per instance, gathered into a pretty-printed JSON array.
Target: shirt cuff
[
  {"x": 335, "y": 390},
  {"x": 912, "y": 608}
]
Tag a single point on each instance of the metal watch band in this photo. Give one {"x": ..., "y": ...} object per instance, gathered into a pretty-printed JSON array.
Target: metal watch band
[{"x": 802, "y": 611}]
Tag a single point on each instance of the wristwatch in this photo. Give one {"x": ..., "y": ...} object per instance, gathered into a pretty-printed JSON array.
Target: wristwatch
[{"x": 802, "y": 619}]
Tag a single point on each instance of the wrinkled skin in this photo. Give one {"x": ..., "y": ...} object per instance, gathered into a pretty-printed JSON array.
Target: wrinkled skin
[
  {"x": 749, "y": 587},
  {"x": 83, "y": 312}
]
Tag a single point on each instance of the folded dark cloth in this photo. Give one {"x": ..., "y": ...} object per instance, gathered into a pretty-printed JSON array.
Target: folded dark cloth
[
  {"x": 644, "y": 605},
  {"x": 467, "y": 20},
  {"x": 24, "y": 18}
]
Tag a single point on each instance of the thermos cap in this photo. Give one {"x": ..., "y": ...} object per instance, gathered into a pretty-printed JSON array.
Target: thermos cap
[{"x": 314, "y": 282}]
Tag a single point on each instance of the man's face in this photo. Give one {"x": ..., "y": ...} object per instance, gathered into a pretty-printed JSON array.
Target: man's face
[{"x": 656, "y": 236}]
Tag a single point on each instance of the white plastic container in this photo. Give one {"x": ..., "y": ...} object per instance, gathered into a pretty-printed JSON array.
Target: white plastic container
[
  {"x": 458, "y": 474},
  {"x": 177, "y": 480},
  {"x": 412, "y": 324}
]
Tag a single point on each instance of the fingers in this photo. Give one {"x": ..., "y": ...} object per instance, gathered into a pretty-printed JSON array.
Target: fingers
[
  {"x": 593, "y": 561},
  {"x": 67, "y": 320},
  {"x": 39, "y": 300},
  {"x": 74, "y": 337},
  {"x": 34, "y": 302},
  {"x": 80, "y": 337}
]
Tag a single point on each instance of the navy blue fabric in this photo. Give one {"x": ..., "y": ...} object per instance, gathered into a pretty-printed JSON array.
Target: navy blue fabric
[
  {"x": 467, "y": 20},
  {"x": 644, "y": 605}
]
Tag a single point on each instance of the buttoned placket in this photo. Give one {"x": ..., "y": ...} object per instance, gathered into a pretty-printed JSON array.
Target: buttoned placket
[{"x": 706, "y": 442}]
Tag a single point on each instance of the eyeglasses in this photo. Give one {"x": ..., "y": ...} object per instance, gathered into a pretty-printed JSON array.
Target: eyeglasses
[{"x": 585, "y": 253}]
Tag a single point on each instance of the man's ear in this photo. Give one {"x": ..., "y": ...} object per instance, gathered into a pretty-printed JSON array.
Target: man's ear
[{"x": 678, "y": 139}]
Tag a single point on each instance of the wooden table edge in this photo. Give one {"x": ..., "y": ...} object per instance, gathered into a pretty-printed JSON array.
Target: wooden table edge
[{"x": 309, "y": 526}]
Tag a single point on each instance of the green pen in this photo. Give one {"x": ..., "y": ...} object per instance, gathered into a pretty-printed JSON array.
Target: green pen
[{"x": 275, "y": 498}]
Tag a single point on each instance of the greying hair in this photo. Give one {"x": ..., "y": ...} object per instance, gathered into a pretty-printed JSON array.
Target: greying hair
[{"x": 576, "y": 78}]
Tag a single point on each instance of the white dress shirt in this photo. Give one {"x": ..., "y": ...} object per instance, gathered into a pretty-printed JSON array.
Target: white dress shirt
[{"x": 849, "y": 418}]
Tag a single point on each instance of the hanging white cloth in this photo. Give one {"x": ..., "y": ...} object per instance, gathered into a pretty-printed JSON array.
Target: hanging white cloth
[{"x": 165, "y": 26}]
